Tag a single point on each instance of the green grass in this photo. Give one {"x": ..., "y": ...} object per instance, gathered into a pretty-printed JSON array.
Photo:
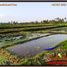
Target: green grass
[
  {"x": 2, "y": 60},
  {"x": 64, "y": 44}
]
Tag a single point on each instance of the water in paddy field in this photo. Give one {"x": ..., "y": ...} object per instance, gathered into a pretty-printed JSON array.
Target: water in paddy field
[{"x": 34, "y": 47}]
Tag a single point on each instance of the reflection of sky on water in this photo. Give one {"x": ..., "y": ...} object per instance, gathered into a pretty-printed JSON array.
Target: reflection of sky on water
[{"x": 37, "y": 46}]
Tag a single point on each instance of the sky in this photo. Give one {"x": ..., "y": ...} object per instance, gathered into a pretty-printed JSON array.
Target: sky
[{"x": 32, "y": 11}]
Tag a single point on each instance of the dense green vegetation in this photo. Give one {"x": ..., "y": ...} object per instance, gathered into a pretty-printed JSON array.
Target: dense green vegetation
[
  {"x": 64, "y": 44},
  {"x": 16, "y": 27}
]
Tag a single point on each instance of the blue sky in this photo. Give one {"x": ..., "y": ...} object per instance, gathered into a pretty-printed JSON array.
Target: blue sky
[{"x": 31, "y": 11}]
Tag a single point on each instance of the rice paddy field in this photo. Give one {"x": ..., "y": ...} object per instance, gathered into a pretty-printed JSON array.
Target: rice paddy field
[{"x": 13, "y": 34}]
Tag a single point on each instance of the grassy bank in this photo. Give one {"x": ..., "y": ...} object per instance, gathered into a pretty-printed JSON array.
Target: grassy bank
[
  {"x": 7, "y": 59},
  {"x": 64, "y": 45}
]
